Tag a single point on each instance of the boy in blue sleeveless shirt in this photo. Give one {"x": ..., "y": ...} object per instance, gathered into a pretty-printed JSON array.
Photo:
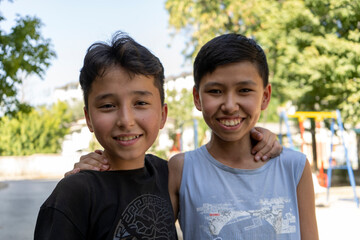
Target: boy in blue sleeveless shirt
[{"x": 217, "y": 189}]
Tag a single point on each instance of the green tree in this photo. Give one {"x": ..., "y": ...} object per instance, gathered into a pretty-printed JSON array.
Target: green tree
[
  {"x": 179, "y": 111},
  {"x": 76, "y": 108},
  {"x": 180, "y": 104},
  {"x": 23, "y": 51},
  {"x": 313, "y": 46},
  {"x": 38, "y": 131}
]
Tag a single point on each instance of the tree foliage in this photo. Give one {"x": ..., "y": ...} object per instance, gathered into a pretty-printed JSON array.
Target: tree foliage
[
  {"x": 312, "y": 46},
  {"x": 181, "y": 115},
  {"x": 39, "y": 131},
  {"x": 180, "y": 104},
  {"x": 179, "y": 110},
  {"x": 23, "y": 51}
]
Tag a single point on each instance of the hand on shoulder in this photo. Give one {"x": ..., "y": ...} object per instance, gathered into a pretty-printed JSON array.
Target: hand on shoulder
[
  {"x": 267, "y": 145},
  {"x": 91, "y": 161}
]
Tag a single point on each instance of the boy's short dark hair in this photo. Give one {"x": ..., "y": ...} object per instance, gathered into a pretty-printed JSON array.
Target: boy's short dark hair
[
  {"x": 125, "y": 52},
  {"x": 229, "y": 48}
]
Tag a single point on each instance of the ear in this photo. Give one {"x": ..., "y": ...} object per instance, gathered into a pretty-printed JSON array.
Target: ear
[
  {"x": 196, "y": 97},
  {"x": 88, "y": 120},
  {"x": 266, "y": 97},
  {"x": 164, "y": 112}
]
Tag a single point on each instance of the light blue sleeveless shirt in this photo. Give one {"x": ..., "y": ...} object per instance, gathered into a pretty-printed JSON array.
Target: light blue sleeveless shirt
[{"x": 220, "y": 202}]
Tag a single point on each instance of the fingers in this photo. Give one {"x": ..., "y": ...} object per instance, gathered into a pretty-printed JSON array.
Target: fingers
[
  {"x": 93, "y": 161},
  {"x": 262, "y": 149},
  {"x": 276, "y": 149},
  {"x": 266, "y": 148},
  {"x": 99, "y": 151},
  {"x": 75, "y": 170},
  {"x": 256, "y": 133}
]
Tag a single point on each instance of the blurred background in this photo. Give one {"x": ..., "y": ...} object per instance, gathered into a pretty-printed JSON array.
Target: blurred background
[{"x": 313, "y": 51}]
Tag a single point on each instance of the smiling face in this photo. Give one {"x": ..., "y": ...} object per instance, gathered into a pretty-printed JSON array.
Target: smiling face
[
  {"x": 126, "y": 114},
  {"x": 231, "y": 100}
]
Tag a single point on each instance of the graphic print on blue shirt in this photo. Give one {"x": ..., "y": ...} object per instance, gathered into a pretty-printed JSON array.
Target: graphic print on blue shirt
[{"x": 271, "y": 211}]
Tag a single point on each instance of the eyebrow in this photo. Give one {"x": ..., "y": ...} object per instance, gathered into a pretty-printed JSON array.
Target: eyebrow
[
  {"x": 109, "y": 95},
  {"x": 246, "y": 82},
  {"x": 142, "y": 93}
]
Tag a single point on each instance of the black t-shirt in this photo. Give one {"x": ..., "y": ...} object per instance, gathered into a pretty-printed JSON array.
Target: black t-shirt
[{"x": 124, "y": 204}]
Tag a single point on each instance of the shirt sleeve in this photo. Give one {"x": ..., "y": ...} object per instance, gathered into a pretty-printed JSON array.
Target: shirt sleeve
[
  {"x": 53, "y": 224},
  {"x": 65, "y": 213}
]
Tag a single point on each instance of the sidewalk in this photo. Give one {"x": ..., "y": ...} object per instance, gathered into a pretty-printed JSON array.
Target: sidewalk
[{"x": 338, "y": 218}]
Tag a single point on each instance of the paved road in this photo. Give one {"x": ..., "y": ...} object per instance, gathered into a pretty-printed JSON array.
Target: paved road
[
  {"x": 19, "y": 205},
  {"x": 338, "y": 218}
]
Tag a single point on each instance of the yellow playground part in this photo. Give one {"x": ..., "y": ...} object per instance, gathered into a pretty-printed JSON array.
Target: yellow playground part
[{"x": 318, "y": 117}]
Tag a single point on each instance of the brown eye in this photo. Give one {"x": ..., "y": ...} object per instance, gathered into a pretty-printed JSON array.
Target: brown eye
[
  {"x": 215, "y": 91},
  {"x": 107, "y": 106},
  {"x": 245, "y": 90},
  {"x": 141, "y": 103}
]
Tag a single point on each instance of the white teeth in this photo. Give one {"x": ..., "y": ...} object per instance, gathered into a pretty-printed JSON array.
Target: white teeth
[
  {"x": 127, "y": 138},
  {"x": 230, "y": 123}
]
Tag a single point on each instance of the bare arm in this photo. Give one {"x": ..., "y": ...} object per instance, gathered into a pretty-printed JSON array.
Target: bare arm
[
  {"x": 176, "y": 164},
  {"x": 92, "y": 161},
  {"x": 306, "y": 203},
  {"x": 267, "y": 147}
]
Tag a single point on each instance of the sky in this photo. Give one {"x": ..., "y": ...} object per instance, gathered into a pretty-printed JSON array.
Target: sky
[{"x": 72, "y": 26}]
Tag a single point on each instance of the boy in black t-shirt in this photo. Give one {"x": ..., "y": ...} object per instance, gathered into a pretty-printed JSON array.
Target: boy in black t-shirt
[{"x": 123, "y": 91}]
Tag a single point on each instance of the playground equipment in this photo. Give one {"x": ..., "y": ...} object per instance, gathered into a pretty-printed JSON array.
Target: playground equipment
[
  {"x": 178, "y": 141},
  {"x": 320, "y": 116}
]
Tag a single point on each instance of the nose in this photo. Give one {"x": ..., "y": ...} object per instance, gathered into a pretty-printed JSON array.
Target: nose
[
  {"x": 230, "y": 104},
  {"x": 125, "y": 117}
]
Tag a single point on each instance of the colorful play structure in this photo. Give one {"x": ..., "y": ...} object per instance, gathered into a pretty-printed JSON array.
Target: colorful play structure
[{"x": 335, "y": 116}]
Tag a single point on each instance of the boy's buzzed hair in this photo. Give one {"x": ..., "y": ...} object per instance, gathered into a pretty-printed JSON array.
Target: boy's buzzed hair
[
  {"x": 229, "y": 48},
  {"x": 125, "y": 52}
]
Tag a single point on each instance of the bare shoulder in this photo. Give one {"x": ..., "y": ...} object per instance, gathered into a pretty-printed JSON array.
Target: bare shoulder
[
  {"x": 176, "y": 162},
  {"x": 175, "y": 165},
  {"x": 306, "y": 205}
]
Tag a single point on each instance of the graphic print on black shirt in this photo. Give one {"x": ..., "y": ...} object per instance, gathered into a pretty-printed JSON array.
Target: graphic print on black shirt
[{"x": 145, "y": 217}]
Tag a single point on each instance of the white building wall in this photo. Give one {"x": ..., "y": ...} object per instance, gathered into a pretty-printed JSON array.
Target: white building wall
[{"x": 49, "y": 166}]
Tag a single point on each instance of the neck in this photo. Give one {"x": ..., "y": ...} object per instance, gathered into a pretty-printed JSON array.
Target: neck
[
  {"x": 124, "y": 164},
  {"x": 235, "y": 154}
]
